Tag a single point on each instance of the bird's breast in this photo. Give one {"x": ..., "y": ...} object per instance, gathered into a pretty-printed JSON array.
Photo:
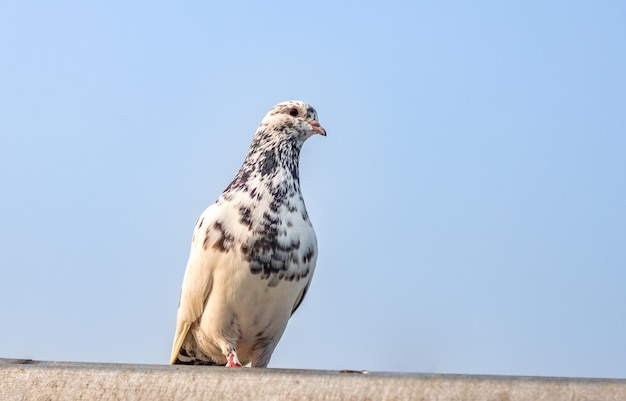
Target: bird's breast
[
  {"x": 274, "y": 237},
  {"x": 282, "y": 245}
]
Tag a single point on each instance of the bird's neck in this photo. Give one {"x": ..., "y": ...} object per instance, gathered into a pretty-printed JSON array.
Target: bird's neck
[{"x": 269, "y": 169}]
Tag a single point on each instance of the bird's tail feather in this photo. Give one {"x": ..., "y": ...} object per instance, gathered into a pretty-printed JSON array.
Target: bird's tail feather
[{"x": 179, "y": 339}]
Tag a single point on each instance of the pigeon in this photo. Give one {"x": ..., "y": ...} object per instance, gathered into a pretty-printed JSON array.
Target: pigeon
[{"x": 253, "y": 252}]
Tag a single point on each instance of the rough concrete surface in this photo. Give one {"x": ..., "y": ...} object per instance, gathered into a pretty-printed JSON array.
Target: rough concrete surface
[{"x": 35, "y": 380}]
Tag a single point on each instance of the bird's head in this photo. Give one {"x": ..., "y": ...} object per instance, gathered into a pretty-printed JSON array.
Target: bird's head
[
  {"x": 275, "y": 148},
  {"x": 295, "y": 119}
]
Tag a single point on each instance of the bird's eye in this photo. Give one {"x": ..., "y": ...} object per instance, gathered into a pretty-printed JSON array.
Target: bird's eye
[{"x": 294, "y": 112}]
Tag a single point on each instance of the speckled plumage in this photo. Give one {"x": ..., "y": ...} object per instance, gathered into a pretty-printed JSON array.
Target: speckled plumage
[{"x": 253, "y": 252}]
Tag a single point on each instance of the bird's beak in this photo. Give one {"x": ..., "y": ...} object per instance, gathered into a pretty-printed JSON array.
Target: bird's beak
[{"x": 317, "y": 128}]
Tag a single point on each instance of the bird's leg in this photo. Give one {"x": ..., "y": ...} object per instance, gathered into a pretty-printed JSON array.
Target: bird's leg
[{"x": 233, "y": 361}]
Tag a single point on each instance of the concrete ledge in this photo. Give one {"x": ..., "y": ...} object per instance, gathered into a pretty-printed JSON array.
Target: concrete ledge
[{"x": 34, "y": 380}]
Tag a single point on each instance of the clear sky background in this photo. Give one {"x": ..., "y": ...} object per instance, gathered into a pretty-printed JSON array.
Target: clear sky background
[{"x": 469, "y": 200}]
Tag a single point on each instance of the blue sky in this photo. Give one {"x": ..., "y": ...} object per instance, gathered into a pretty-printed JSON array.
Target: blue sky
[{"x": 469, "y": 200}]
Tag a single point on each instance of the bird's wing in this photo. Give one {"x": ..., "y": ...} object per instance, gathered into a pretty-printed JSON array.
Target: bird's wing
[
  {"x": 306, "y": 288},
  {"x": 197, "y": 282},
  {"x": 300, "y": 297}
]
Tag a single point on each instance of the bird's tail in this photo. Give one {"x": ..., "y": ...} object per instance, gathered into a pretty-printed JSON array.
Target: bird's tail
[{"x": 179, "y": 339}]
